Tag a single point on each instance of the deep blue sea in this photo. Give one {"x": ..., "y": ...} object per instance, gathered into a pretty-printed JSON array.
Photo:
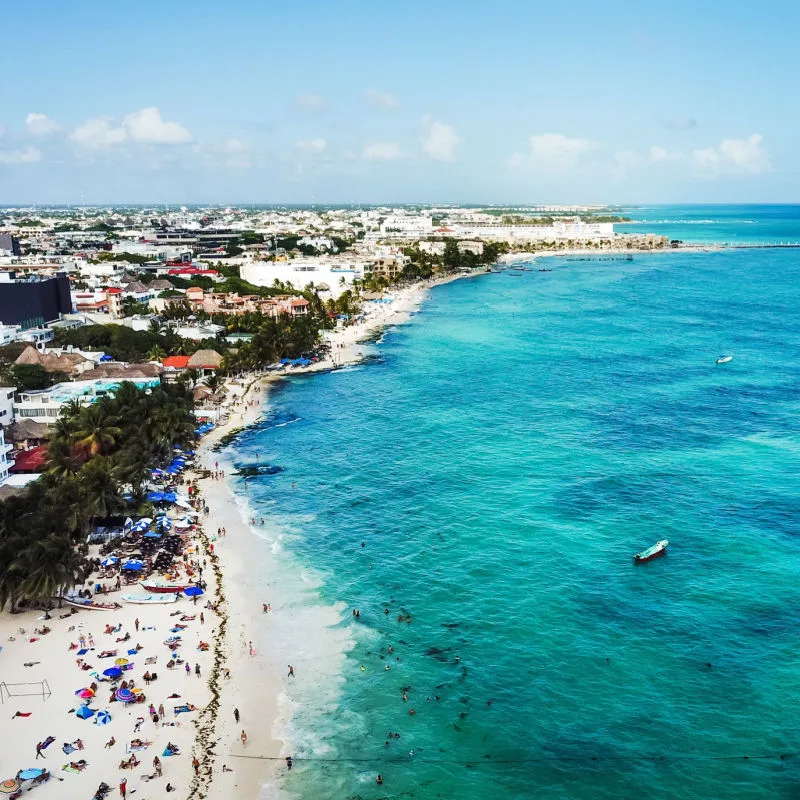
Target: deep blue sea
[{"x": 502, "y": 456}]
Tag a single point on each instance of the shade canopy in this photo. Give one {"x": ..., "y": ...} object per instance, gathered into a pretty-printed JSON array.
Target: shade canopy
[{"x": 84, "y": 712}]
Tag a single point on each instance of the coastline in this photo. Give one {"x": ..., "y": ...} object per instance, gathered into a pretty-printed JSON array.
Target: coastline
[{"x": 260, "y": 680}]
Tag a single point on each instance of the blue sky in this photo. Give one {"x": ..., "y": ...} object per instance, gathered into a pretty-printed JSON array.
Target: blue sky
[{"x": 510, "y": 102}]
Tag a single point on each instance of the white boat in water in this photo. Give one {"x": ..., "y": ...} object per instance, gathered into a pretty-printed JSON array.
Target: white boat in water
[
  {"x": 150, "y": 598},
  {"x": 724, "y": 359}
]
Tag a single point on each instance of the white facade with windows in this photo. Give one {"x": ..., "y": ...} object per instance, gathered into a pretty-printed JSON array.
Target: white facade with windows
[
  {"x": 6, "y": 405},
  {"x": 6, "y": 462}
]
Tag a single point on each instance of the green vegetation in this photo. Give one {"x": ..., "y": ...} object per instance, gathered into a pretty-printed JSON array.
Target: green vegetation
[
  {"x": 98, "y": 453},
  {"x": 26, "y": 222},
  {"x": 130, "y": 258}
]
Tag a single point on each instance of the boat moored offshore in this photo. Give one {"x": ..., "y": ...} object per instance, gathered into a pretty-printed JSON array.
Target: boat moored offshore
[{"x": 658, "y": 549}]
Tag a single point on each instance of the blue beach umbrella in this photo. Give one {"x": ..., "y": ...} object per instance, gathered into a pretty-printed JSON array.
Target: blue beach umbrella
[
  {"x": 193, "y": 591},
  {"x": 125, "y": 695},
  {"x": 133, "y": 565},
  {"x": 102, "y": 718},
  {"x": 84, "y": 712},
  {"x": 30, "y": 774},
  {"x": 110, "y": 561},
  {"x": 112, "y": 672}
]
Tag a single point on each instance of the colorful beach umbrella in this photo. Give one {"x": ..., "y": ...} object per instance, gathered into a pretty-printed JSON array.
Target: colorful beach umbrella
[
  {"x": 193, "y": 591},
  {"x": 110, "y": 561},
  {"x": 124, "y": 695},
  {"x": 121, "y": 662},
  {"x": 30, "y": 774},
  {"x": 84, "y": 712},
  {"x": 85, "y": 694},
  {"x": 9, "y": 786},
  {"x": 102, "y": 718},
  {"x": 112, "y": 672}
]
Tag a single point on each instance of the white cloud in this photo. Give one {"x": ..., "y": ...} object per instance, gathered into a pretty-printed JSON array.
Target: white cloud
[
  {"x": 381, "y": 99},
  {"x": 439, "y": 140},
  {"x": 312, "y": 145},
  {"x": 41, "y": 125},
  {"x": 310, "y": 102},
  {"x": 97, "y": 133},
  {"x": 381, "y": 151},
  {"x": 28, "y": 155},
  {"x": 733, "y": 157},
  {"x": 147, "y": 126},
  {"x": 554, "y": 152},
  {"x": 659, "y": 155}
]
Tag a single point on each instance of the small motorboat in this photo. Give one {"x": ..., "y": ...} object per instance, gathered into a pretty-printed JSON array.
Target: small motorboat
[
  {"x": 724, "y": 359},
  {"x": 150, "y": 598},
  {"x": 87, "y": 603},
  {"x": 658, "y": 549},
  {"x": 164, "y": 587}
]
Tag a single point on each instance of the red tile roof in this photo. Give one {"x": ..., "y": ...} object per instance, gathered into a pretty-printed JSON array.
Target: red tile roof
[
  {"x": 176, "y": 362},
  {"x": 32, "y": 460}
]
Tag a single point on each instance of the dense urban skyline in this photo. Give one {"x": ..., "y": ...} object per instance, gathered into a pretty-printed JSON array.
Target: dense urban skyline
[{"x": 193, "y": 102}]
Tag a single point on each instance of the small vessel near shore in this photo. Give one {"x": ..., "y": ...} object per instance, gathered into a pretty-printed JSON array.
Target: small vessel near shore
[
  {"x": 724, "y": 359},
  {"x": 158, "y": 586},
  {"x": 658, "y": 549},
  {"x": 88, "y": 603},
  {"x": 150, "y": 599}
]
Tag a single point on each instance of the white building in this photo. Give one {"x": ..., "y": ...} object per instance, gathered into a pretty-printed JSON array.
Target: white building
[
  {"x": 6, "y": 405},
  {"x": 337, "y": 274},
  {"x": 44, "y": 405},
  {"x": 5, "y": 462},
  {"x": 577, "y": 230},
  {"x": 406, "y": 226}
]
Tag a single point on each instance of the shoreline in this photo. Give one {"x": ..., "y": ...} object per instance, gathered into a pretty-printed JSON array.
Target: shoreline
[{"x": 260, "y": 681}]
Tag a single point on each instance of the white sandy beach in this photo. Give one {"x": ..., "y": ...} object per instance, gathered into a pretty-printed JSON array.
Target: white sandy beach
[{"x": 41, "y": 674}]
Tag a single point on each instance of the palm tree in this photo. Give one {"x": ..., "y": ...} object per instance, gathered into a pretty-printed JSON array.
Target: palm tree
[
  {"x": 50, "y": 566},
  {"x": 215, "y": 382},
  {"x": 156, "y": 353},
  {"x": 192, "y": 375},
  {"x": 97, "y": 432},
  {"x": 101, "y": 494}
]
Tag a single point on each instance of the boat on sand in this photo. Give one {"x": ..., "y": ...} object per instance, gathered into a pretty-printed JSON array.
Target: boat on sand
[
  {"x": 160, "y": 586},
  {"x": 658, "y": 549},
  {"x": 88, "y": 603},
  {"x": 166, "y": 597}
]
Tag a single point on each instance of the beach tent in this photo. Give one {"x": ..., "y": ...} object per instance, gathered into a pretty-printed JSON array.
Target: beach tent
[{"x": 84, "y": 712}]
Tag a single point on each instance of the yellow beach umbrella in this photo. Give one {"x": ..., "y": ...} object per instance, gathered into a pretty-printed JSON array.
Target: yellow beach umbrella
[{"x": 120, "y": 662}]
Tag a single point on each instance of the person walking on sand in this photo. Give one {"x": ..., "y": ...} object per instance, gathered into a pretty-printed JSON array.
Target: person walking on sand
[
  {"x": 236, "y": 715},
  {"x": 123, "y": 787},
  {"x": 39, "y": 753},
  {"x": 243, "y": 737},
  {"x": 157, "y": 766},
  {"x": 195, "y": 765},
  {"x": 197, "y": 670},
  {"x": 136, "y": 623},
  {"x": 291, "y": 671},
  {"x": 188, "y": 669}
]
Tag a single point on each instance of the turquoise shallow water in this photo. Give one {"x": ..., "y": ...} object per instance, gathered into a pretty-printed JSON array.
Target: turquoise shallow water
[{"x": 502, "y": 457}]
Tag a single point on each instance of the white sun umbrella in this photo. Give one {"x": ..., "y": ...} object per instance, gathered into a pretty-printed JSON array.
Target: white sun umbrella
[
  {"x": 182, "y": 503},
  {"x": 180, "y": 524}
]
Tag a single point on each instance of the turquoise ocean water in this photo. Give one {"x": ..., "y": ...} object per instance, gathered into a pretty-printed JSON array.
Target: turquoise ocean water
[{"x": 502, "y": 456}]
